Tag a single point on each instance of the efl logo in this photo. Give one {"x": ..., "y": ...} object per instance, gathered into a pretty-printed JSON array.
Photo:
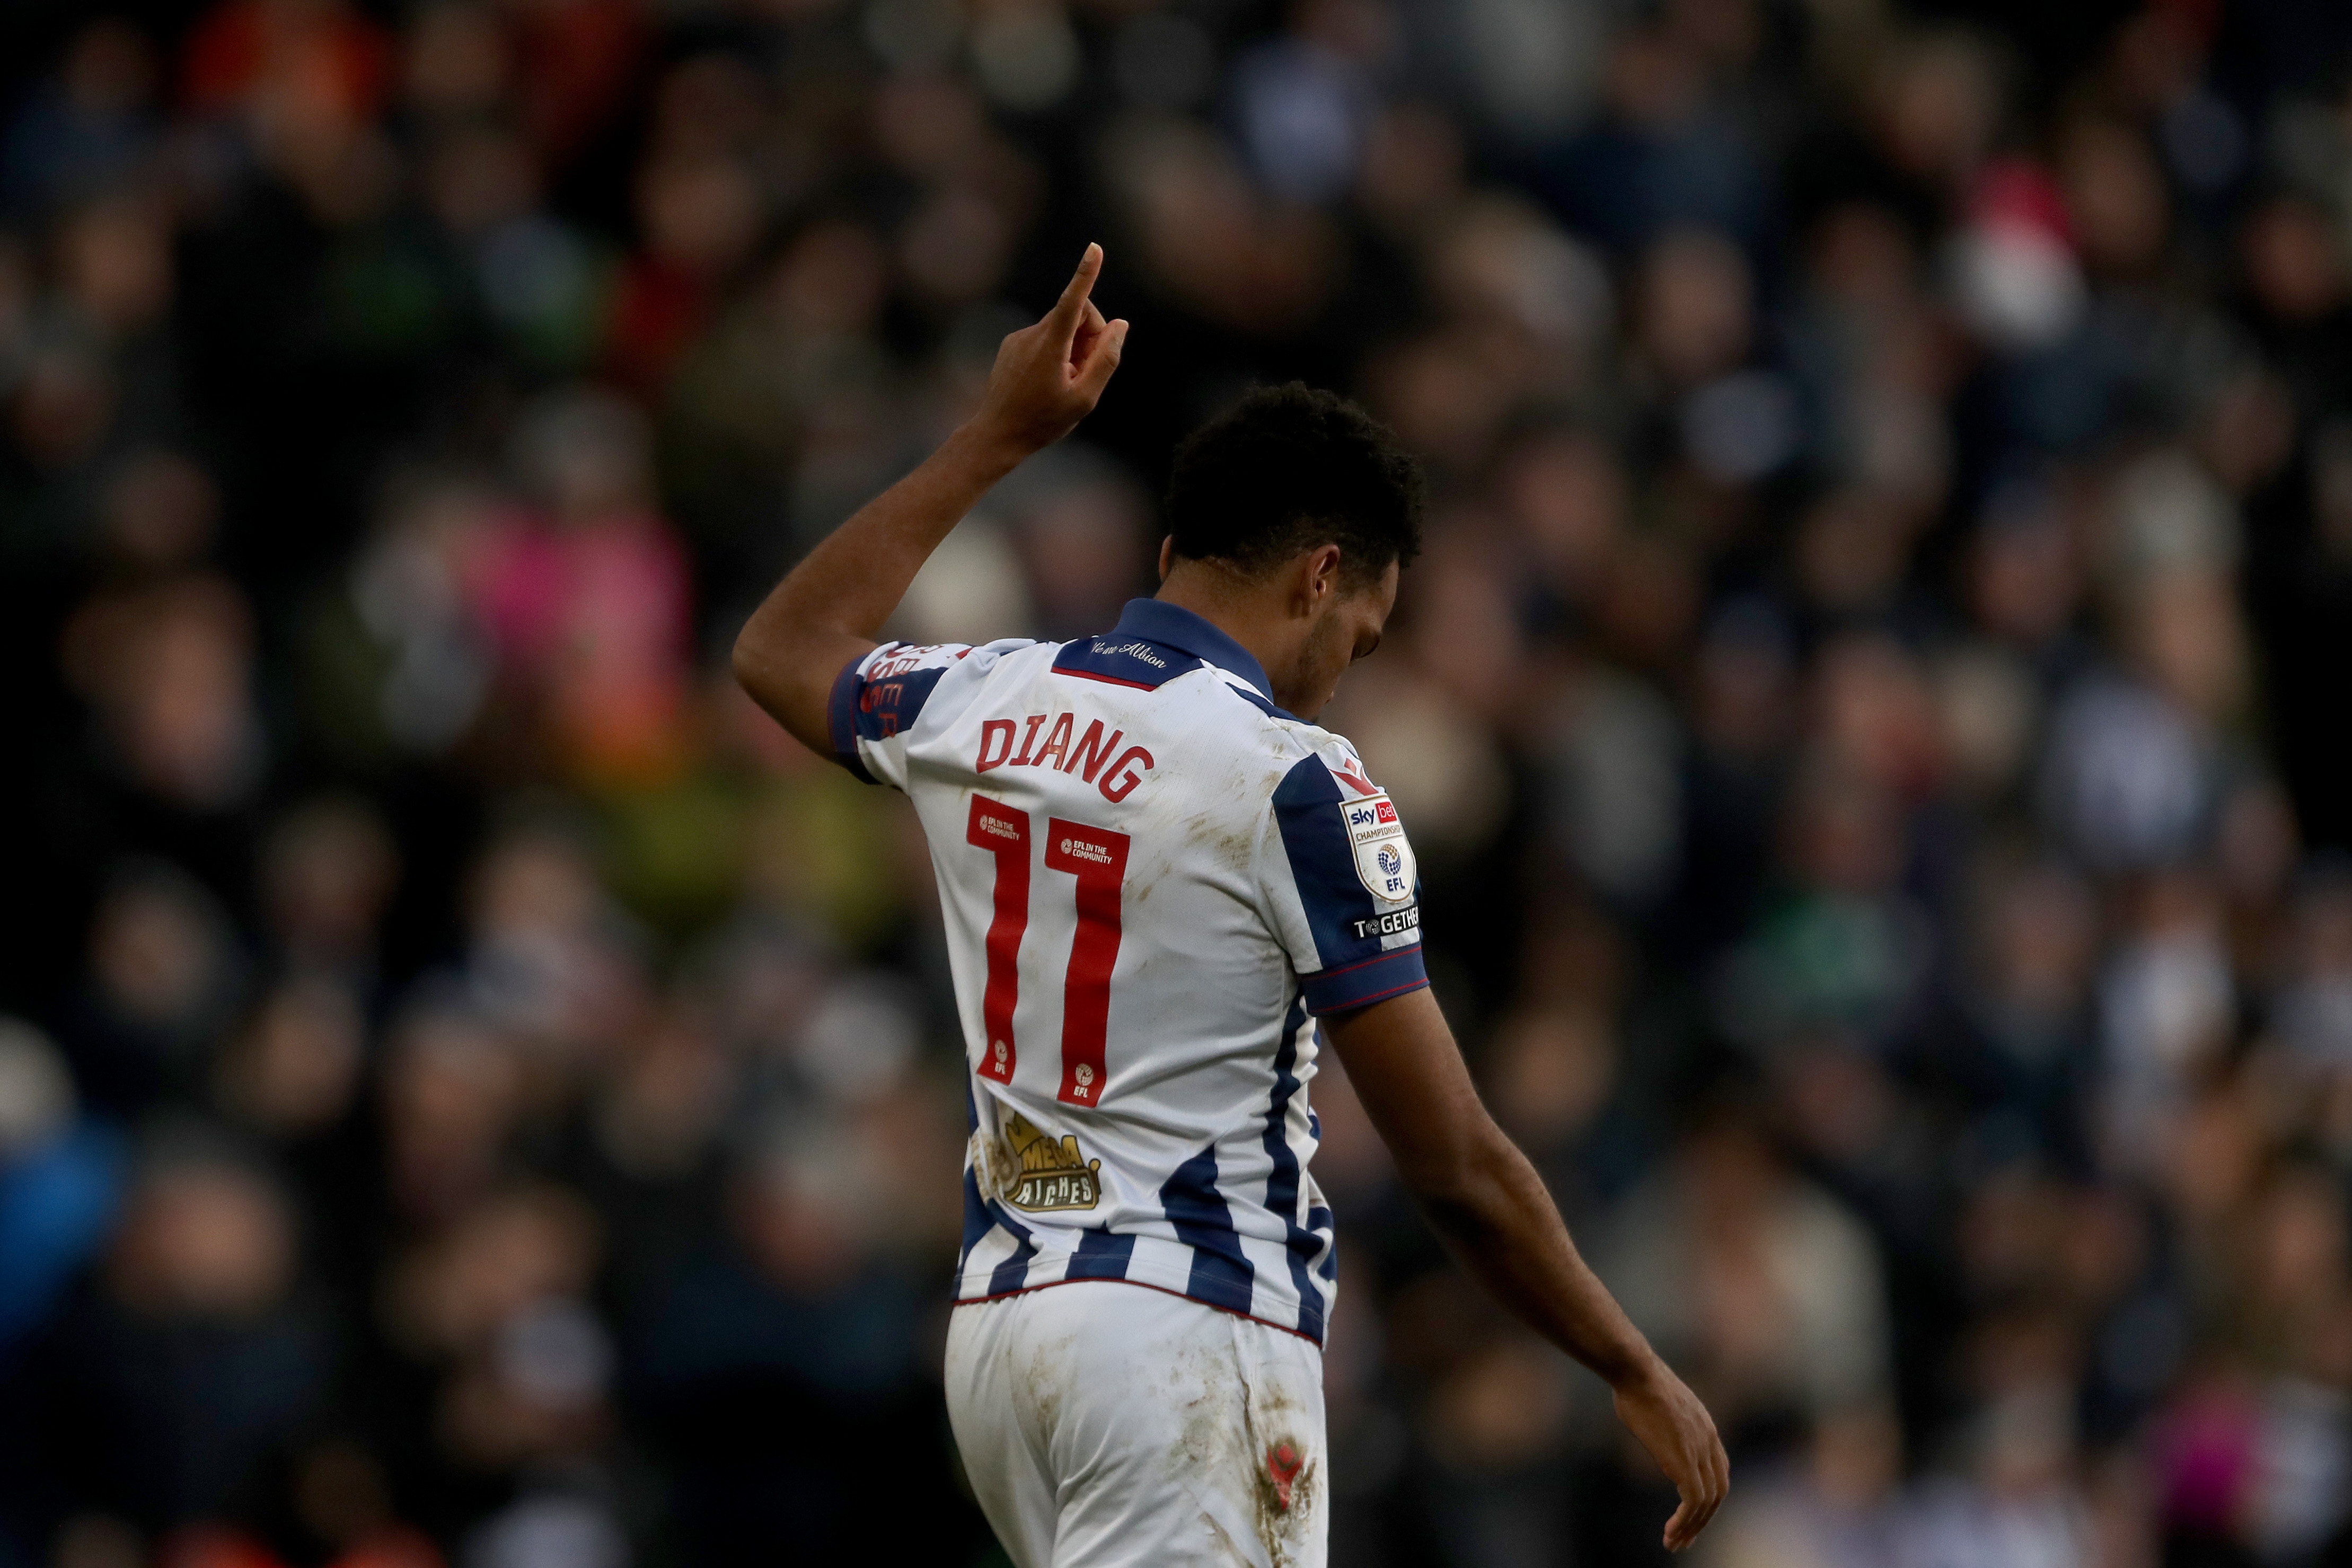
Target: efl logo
[{"x": 1383, "y": 858}]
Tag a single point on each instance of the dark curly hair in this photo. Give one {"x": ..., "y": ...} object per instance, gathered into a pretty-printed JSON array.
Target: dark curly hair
[{"x": 1293, "y": 468}]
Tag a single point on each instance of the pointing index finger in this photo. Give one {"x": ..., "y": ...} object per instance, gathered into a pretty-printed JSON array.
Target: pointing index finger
[{"x": 1072, "y": 304}]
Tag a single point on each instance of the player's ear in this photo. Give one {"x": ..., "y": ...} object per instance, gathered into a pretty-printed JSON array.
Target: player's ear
[
  {"x": 1166, "y": 556},
  {"x": 1314, "y": 580},
  {"x": 1323, "y": 573}
]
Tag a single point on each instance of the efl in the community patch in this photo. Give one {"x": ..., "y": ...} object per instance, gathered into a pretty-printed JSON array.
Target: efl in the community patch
[{"x": 1383, "y": 858}]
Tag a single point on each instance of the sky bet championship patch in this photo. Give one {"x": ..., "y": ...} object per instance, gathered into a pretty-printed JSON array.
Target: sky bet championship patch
[{"x": 1383, "y": 858}]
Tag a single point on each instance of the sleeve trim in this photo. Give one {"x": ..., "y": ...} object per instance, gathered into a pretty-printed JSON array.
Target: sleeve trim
[
  {"x": 841, "y": 720},
  {"x": 1360, "y": 985},
  {"x": 1362, "y": 963}
]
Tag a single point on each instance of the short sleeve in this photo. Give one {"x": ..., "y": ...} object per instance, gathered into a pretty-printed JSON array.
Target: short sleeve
[
  {"x": 878, "y": 697},
  {"x": 1343, "y": 886}
]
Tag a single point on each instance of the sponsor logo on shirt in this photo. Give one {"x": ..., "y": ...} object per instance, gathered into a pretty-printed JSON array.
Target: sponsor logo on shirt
[{"x": 1039, "y": 1174}]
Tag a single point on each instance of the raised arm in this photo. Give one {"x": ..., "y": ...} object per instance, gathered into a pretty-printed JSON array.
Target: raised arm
[
  {"x": 1490, "y": 1208},
  {"x": 830, "y": 608}
]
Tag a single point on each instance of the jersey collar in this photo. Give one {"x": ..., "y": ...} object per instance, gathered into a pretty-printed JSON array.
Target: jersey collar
[{"x": 1173, "y": 626}]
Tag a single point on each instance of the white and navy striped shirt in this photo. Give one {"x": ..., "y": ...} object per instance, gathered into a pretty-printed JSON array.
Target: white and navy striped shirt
[{"x": 1152, "y": 879}]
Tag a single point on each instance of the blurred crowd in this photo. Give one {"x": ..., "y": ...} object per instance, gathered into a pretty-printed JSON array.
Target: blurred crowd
[{"x": 474, "y": 1093}]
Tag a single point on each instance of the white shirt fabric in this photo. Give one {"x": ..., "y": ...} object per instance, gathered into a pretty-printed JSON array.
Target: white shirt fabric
[{"x": 1153, "y": 879}]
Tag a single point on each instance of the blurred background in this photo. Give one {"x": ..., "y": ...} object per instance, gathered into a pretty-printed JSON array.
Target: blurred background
[{"x": 1873, "y": 717}]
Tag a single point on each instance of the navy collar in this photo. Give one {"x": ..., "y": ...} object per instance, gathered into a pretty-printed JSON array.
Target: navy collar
[{"x": 1173, "y": 626}]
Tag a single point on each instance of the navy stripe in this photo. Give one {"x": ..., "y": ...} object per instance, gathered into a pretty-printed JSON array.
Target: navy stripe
[
  {"x": 977, "y": 1222},
  {"x": 1012, "y": 1274},
  {"x": 1357, "y": 970},
  {"x": 1309, "y": 807},
  {"x": 1222, "y": 1275},
  {"x": 1282, "y": 1186},
  {"x": 841, "y": 720},
  {"x": 1262, "y": 704},
  {"x": 1100, "y": 1256},
  {"x": 1326, "y": 1224}
]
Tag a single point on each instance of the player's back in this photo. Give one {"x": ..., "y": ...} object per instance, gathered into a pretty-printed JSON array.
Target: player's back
[{"x": 1150, "y": 877}]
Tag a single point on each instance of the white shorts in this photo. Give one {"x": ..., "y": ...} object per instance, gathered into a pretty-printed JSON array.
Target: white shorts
[{"x": 1106, "y": 1424}]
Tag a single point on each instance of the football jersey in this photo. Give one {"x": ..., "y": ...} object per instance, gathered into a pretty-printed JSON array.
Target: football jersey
[{"x": 1153, "y": 880}]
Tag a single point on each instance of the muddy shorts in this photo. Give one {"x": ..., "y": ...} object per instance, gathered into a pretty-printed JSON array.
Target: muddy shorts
[{"x": 1106, "y": 1424}]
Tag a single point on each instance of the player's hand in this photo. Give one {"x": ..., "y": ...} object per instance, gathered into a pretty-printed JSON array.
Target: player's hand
[
  {"x": 1049, "y": 376},
  {"x": 1660, "y": 1409}
]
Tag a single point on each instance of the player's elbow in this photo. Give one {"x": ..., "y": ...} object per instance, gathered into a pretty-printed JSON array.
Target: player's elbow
[
  {"x": 1466, "y": 1182},
  {"x": 756, "y": 669},
  {"x": 754, "y": 664}
]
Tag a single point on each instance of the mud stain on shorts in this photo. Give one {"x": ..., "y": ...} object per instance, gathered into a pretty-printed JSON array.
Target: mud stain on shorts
[
  {"x": 1039, "y": 1387},
  {"x": 1283, "y": 1478},
  {"x": 1242, "y": 1441}
]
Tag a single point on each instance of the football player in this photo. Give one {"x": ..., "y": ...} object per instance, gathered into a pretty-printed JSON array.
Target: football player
[{"x": 1167, "y": 890}]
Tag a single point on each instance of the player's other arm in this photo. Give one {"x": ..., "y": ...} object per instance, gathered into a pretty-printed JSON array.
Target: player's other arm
[
  {"x": 831, "y": 607},
  {"x": 1487, "y": 1202}
]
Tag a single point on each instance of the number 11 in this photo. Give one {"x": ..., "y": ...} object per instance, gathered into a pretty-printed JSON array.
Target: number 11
[{"x": 1096, "y": 857}]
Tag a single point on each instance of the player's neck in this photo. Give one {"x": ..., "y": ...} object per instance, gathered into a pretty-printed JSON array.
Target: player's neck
[{"x": 1255, "y": 615}]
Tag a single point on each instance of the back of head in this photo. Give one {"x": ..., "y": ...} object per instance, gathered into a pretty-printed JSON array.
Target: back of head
[{"x": 1289, "y": 468}]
